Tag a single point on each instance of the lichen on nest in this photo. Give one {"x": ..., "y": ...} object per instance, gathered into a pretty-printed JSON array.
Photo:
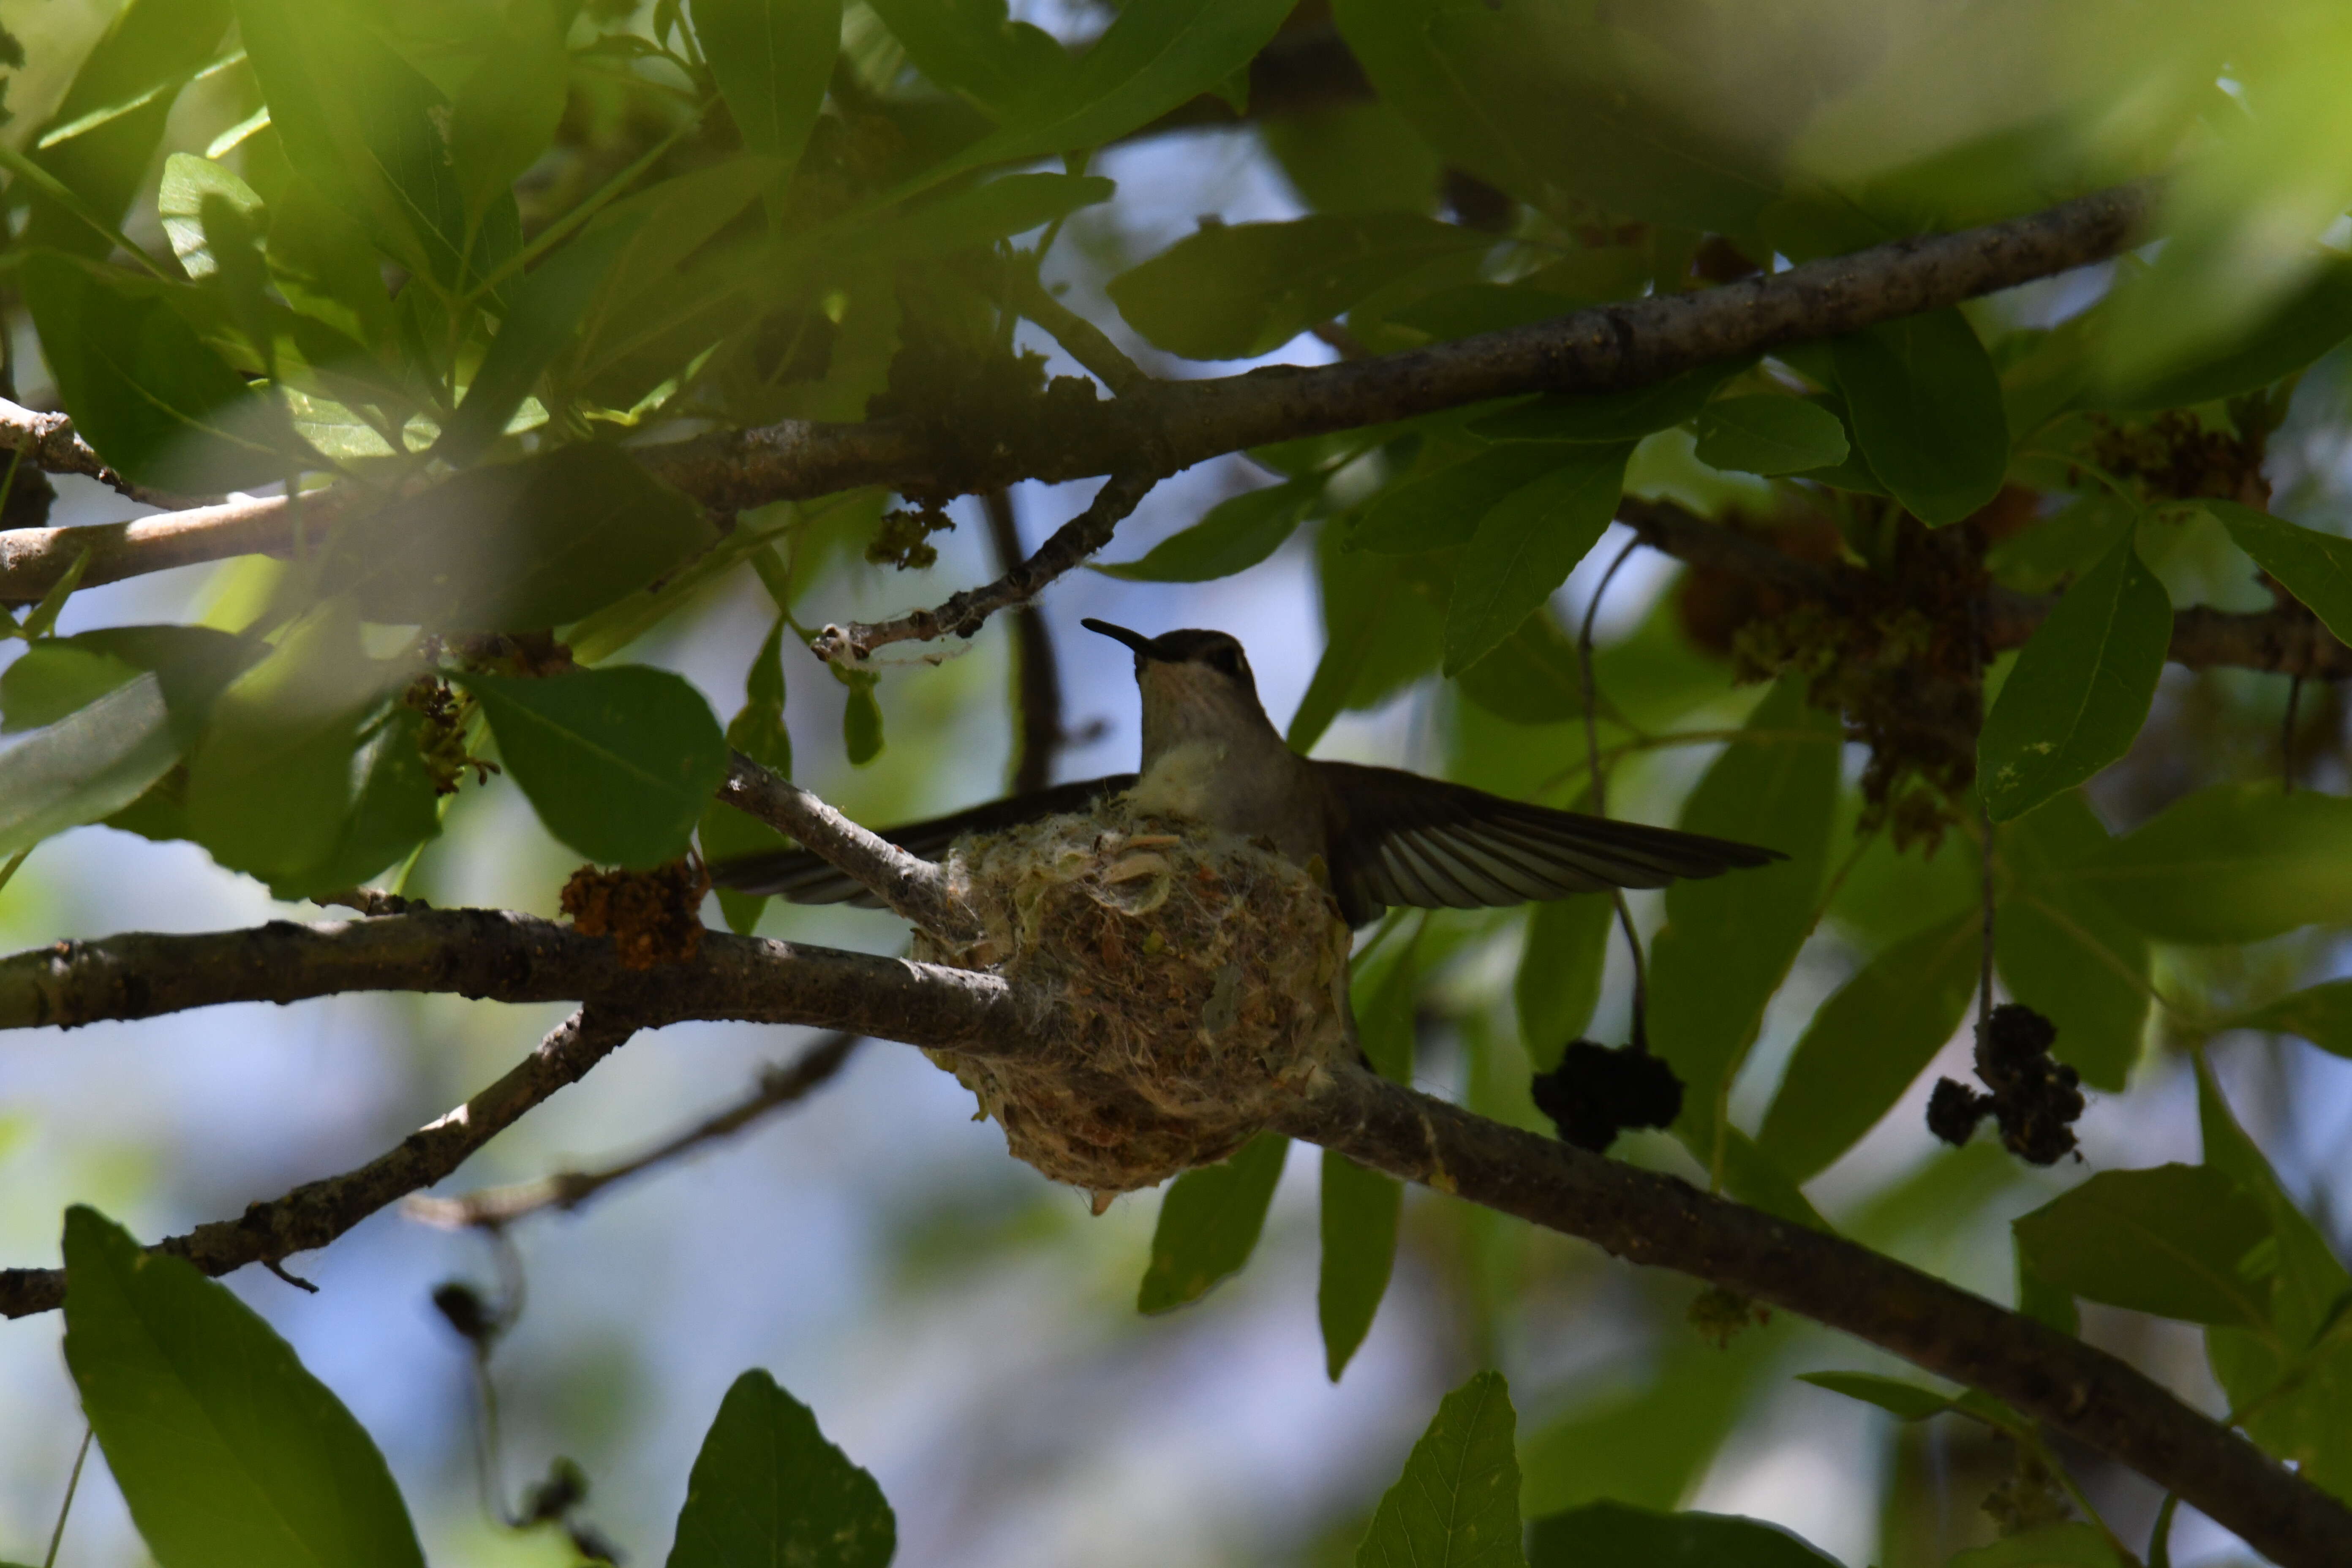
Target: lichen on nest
[{"x": 1197, "y": 982}]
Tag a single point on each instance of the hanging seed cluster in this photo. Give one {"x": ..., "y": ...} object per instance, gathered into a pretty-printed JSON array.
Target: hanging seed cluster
[{"x": 1198, "y": 984}]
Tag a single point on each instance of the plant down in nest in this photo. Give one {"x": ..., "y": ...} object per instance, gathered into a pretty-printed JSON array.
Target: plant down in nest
[{"x": 1198, "y": 984}]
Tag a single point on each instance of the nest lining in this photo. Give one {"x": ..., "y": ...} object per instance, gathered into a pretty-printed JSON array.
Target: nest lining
[{"x": 1198, "y": 982}]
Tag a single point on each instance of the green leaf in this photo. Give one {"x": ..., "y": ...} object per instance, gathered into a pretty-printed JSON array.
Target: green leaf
[
  {"x": 969, "y": 47},
  {"x": 1526, "y": 546},
  {"x": 1236, "y": 535},
  {"x": 1442, "y": 509},
  {"x": 1383, "y": 626},
  {"x": 2310, "y": 323},
  {"x": 394, "y": 808},
  {"x": 150, "y": 50},
  {"x": 861, "y": 720},
  {"x": 1868, "y": 1042},
  {"x": 547, "y": 307},
  {"x": 507, "y": 112},
  {"x": 1616, "y": 1535},
  {"x": 363, "y": 126},
  {"x": 1209, "y": 1224},
  {"x": 188, "y": 181},
  {"x": 2172, "y": 1240},
  {"x": 1729, "y": 941},
  {"x": 1559, "y": 980},
  {"x": 1383, "y": 995},
  {"x": 517, "y": 546},
  {"x": 2315, "y": 567},
  {"x": 88, "y": 764},
  {"x": 2233, "y": 863},
  {"x": 1770, "y": 435},
  {"x": 1359, "y": 1237},
  {"x": 2321, "y": 1014},
  {"x": 55, "y": 678},
  {"x": 771, "y": 59},
  {"x": 961, "y": 220},
  {"x": 665, "y": 226},
  {"x": 2046, "y": 1546},
  {"x": 143, "y": 389},
  {"x": 1457, "y": 1503},
  {"x": 1904, "y": 1401},
  {"x": 1548, "y": 104},
  {"x": 767, "y": 1487},
  {"x": 1235, "y": 291},
  {"x": 1758, "y": 1180},
  {"x": 1153, "y": 56},
  {"x": 2081, "y": 687},
  {"x": 1926, "y": 411},
  {"x": 2062, "y": 950},
  {"x": 617, "y": 761},
  {"x": 227, "y": 1450},
  {"x": 42, "y": 618},
  {"x": 1610, "y": 416},
  {"x": 272, "y": 783},
  {"x": 2308, "y": 1282},
  {"x": 321, "y": 261}
]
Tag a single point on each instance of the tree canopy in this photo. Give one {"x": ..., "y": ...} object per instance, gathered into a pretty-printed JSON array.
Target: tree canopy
[{"x": 454, "y": 442}]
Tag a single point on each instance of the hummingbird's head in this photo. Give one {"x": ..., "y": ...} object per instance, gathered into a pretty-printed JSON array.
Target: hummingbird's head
[{"x": 1196, "y": 685}]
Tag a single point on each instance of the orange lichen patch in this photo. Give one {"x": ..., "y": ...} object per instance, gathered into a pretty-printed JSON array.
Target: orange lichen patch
[
  {"x": 653, "y": 917},
  {"x": 1198, "y": 984}
]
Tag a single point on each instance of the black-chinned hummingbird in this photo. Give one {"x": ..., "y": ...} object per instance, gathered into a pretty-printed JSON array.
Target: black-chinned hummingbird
[{"x": 1386, "y": 836}]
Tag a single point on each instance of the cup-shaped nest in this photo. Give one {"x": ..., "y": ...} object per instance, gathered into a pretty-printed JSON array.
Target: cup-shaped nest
[{"x": 1195, "y": 983}]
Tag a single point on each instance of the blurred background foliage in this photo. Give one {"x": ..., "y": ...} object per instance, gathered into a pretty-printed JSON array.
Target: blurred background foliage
[{"x": 337, "y": 243}]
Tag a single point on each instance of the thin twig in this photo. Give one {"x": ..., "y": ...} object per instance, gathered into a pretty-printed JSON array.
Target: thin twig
[
  {"x": 318, "y": 1212},
  {"x": 2286, "y": 735},
  {"x": 495, "y": 1207},
  {"x": 1035, "y": 667},
  {"x": 965, "y": 613},
  {"x": 907, "y": 884},
  {"x": 65, "y": 1509},
  {"x": 56, "y": 447},
  {"x": 1584, "y": 675}
]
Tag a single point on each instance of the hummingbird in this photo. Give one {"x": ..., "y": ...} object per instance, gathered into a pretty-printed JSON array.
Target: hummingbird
[{"x": 1386, "y": 837}]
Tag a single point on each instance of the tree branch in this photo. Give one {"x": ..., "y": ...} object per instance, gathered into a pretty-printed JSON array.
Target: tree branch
[
  {"x": 2286, "y": 639},
  {"x": 52, "y": 445},
  {"x": 316, "y": 1212},
  {"x": 965, "y": 613},
  {"x": 1646, "y": 1217},
  {"x": 1168, "y": 426},
  {"x": 1040, "y": 677},
  {"x": 497, "y": 955},
  {"x": 908, "y": 884},
  {"x": 778, "y": 1087}
]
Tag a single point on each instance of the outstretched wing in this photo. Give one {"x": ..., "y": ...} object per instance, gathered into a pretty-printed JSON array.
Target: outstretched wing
[
  {"x": 798, "y": 877},
  {"x": 1398, "y": 838}
]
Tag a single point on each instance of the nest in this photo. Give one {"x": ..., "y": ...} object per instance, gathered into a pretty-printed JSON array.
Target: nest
[{"x": 1197, "y": 983}]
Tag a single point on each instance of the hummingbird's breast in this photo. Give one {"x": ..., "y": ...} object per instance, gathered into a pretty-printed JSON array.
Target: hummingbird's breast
[{"x": 1241, "y": 790}]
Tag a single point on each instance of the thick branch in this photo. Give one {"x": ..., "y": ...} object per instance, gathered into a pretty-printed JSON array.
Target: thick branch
[
  {"x": 50, "y": 444},
  {"x": 567, "y": 1190},
  {"x": 1646, "y": 1217},
  {"x": 316, "y": 1212},
  {"x": 907, "y": 884},
  {"x": 1172, "y": 425},
  {"x": 497, "y": 955},
  {"x": 2286, "y": 639},
  {"x": 963, "y": 614}
]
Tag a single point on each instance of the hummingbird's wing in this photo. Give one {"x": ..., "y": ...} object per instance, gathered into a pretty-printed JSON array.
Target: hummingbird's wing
[
  {"x": 798, "y": 877},
  {"x": 1398, "y": 838}
]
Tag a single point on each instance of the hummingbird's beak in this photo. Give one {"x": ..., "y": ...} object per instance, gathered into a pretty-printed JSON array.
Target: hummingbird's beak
[{"x": 1136, "y": 640}]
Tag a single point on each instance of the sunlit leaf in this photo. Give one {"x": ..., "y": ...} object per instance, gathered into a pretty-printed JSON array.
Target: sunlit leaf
[
  {"x": 1457, "y": 1503},
  {"x": 227, "y": 1450},
  {"x": 505, "y": 115},
  {"x": 187, "y": 182},
  {"x": 2172, "y": 1240},
  {"x": 2082, "y": 686},
  {"x": 547, "y": 307},
  {"x": 767, "y": 1488},
  {"x": 1209, "y": 1224},
  {"x": 617, "y": 761}
]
